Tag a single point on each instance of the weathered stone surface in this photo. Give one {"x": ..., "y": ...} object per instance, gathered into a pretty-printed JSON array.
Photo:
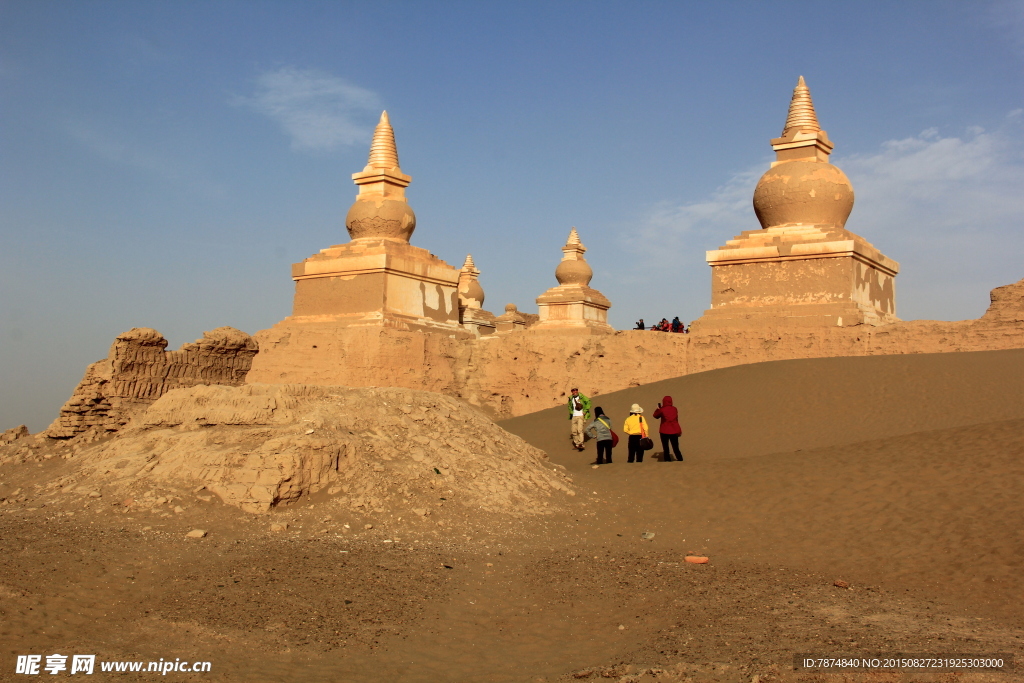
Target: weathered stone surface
[{"x": 138, "y": 370}]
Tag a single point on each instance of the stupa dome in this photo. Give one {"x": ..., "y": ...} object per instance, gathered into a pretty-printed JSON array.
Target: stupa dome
[
  {"x": 384, "y": 218},
  {"x": 803, "y": 192},
  {"x": 573, "y": 269},
  {"x": 574, "y": 273}
]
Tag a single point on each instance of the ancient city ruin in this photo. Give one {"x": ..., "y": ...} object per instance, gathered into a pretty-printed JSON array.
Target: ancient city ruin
[{"x": 378, "y": 311}]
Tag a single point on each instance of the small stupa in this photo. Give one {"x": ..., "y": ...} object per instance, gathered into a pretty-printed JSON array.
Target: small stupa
[
  {"x": 573, "y": 304},
  {"x": 803, "y": 267},
  {"x": 378, "y": 278},
  {"x": 472, "y": 315},
  {"x": 511, "y": 320}
]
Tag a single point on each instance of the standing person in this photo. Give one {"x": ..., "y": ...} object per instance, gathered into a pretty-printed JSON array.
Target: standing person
[
  {"x": 601, "y": 431},
  {"x": 579, "y": 412},
  {"x": 670, "y": 429},
  {"x": 636, "y": 428}
]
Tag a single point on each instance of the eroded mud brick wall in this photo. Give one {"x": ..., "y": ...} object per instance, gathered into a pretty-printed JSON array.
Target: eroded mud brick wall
[
  {"x": 138, "y": 370},
  {"x": 523, "y": 371}
]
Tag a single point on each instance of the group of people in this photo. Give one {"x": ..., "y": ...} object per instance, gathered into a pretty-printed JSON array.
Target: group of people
[
  {"x": 635, "y": 427},
  {"x": 664, "y": 326}
]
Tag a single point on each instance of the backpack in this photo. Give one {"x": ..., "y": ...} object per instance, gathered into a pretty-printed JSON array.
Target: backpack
[{"x": 615, "y": 437}]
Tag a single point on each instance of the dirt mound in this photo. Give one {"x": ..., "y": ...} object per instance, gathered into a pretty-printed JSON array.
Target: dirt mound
[{"x": 260, "y": 446}]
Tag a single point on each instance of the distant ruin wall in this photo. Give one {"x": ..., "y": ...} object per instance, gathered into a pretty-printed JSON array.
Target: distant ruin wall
[
  {"x": 138, "y": 370},
  {"x": 524, "y": 371}
]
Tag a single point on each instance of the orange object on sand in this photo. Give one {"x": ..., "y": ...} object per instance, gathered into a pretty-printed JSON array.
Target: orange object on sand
[{"x": 696, "y": 560}]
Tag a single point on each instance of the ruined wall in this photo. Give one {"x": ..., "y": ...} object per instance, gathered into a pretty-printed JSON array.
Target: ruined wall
[
  {"x": 324, "y": 354},
  {"x": 507, "y": 374},
  {"x": 523, "y": 371},
  {"x": 138, "y": 371}
]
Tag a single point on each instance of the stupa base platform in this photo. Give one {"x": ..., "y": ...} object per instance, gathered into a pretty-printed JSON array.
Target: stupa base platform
[
  {"x": 796, "y": 316},
  {"x": 574, "y": 307}
]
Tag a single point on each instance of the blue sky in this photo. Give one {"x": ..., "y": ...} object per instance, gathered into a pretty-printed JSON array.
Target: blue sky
[{"x": 162, "y": 163}]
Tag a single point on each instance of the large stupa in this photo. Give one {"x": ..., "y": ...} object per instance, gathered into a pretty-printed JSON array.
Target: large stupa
[
  {"x": 803, "y": 267},
  {"x": 378, "y": 279}
]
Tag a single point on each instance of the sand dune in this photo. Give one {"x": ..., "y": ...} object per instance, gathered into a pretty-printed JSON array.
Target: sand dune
[
  {"x": 899, "y": 470},
  {"x": 801, "y": 404}
]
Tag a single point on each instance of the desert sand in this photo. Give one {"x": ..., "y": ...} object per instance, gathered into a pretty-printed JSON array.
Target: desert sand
[{"x": 897, "y": 477}]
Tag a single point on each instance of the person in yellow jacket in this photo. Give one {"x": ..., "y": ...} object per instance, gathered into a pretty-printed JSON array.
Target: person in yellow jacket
[{"x": 636, "y": 427}]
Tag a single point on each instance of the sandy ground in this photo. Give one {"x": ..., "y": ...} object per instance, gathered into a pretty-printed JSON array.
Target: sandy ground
[{"x": 900, "y": 476}]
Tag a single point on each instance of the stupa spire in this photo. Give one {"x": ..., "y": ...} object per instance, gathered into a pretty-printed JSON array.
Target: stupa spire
[
  {"x": 574, "y": 239},
  {"x": 802, "y": 138},
  {"x": 383, "y": 151},
  {"x": 471, "y": 294},
  {"x": 573, "y": 268},
  {"x": 801, "y": 110},
  {"x": 380, "y": 209}
]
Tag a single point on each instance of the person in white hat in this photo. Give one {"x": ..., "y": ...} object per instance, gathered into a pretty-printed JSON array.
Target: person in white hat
[{"x": 636, "y": 428}]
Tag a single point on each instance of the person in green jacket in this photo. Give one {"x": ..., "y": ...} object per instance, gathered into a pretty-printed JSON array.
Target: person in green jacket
[{"x": 579, "y": 413}]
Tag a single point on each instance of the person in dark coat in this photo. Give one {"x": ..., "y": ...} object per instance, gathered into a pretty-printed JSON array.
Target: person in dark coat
[{"x": 670, "y": 429}]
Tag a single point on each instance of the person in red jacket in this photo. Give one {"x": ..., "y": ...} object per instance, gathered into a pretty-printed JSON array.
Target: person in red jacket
[{"x": 670, "y": 429}]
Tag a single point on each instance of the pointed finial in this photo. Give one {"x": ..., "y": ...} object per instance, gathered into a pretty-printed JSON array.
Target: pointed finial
[
  {"x": 383, "y": 151},
  {"x": 801, "y": 110},
  {"x": 573, "y": 268},
  {"x": 469, "y": 265}
]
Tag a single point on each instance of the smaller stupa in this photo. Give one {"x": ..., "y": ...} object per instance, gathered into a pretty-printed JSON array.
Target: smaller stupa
[
  {"x": 511, "y": 320},
  {"x": 472, "y": 315},
  {"x": 378, "y": 279},
  {"x": 803, "y": 267},
  {"x": 573, "y": 304}
]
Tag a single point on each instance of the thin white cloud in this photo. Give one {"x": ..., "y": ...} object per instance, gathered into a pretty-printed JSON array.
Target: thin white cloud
[
  {"x": 118, "y": 149},
  {"x": 931, "y": 187},
  {"x": 949, "y": 208},
  {"x": 318, "y": 111},
  {"x": 681, "y": 230}
]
